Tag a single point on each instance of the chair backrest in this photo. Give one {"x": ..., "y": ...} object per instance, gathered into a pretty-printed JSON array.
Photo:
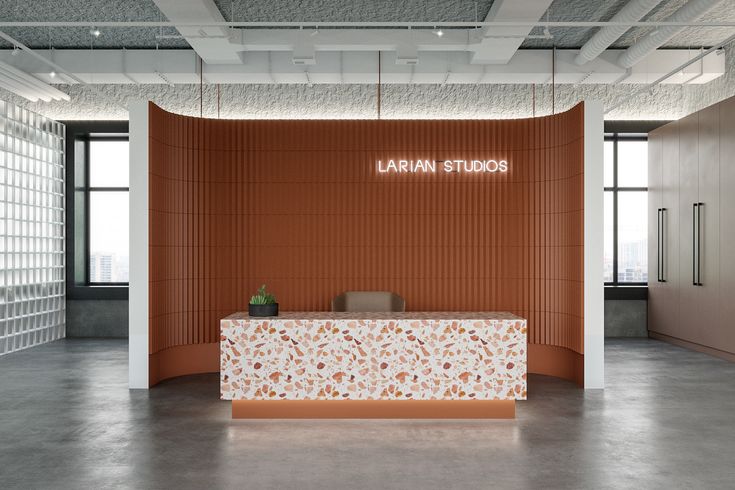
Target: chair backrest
[{"x": 370, "y": 301}]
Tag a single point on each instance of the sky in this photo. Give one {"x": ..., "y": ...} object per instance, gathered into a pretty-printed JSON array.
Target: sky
[{"x": 109, "y": 221}]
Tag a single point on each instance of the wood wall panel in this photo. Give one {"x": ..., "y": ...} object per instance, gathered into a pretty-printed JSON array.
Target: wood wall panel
[{"x": 298, "y": 205}]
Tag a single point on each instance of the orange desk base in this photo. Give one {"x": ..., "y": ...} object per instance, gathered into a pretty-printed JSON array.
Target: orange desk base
[{"x": 373, "y": 409}]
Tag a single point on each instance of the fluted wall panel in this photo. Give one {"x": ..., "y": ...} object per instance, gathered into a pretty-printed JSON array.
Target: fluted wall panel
[{"x": 300, "y": 206}]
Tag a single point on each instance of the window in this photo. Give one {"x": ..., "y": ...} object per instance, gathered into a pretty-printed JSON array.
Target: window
[
  {"x": 107, "y": 207},
  {"x": 626, "y": 209}
]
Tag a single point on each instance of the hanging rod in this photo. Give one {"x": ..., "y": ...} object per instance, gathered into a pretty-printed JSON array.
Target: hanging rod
[{"x": 427, "y": 25}]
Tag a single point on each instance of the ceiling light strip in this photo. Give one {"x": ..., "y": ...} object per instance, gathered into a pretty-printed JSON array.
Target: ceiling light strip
[
  {"x": 41, "y": 58},
  {"x": 68, "y": 75},
  {"x": 34, "y": 82},
  {"x": 17, "y": 88},
  {"x": 26, "y": 87}
]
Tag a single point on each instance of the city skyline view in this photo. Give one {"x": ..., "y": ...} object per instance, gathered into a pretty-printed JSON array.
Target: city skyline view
[{"x": 632, "y": 217}]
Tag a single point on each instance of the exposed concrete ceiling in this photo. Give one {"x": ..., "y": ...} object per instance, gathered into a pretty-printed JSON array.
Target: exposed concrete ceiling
[
  {"x": 468, "y": 100},
  {"x": 82, "y": 11},
  {"x": 354, "y": 10},
  {"x": 326, "y": 11},
  {"x": 584, "y": 10}
]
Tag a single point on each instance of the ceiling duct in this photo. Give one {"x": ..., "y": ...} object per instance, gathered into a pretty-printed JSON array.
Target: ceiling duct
[
  {"x": 632, "y": 12},
  {"x": 212, "y": 43},
  {"x": 691, "y": 11}
]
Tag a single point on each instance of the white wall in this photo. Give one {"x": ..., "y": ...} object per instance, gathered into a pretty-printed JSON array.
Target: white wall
[
  {"x": 138, "y": 294},
  {"x": 594, "y": 309}
]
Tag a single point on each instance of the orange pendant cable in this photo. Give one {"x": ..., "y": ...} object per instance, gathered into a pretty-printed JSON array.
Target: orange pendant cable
[
  {"x": 553, "y": 80},
  {"x": 201, "y": 88},
  {"x": 379, "y": 69}
]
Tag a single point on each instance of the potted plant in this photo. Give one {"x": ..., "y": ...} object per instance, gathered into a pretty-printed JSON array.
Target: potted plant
[{"x": 263, "y": 303}]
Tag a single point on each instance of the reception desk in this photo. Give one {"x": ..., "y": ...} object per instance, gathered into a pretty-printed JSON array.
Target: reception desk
[{"x": 373, "y": 365}]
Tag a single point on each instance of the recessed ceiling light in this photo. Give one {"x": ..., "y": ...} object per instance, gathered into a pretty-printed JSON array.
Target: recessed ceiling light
[
  {"x": 438, "y": 32},
  {"x": 95, "y": 32},
  {"x": 52, "y": 74}
]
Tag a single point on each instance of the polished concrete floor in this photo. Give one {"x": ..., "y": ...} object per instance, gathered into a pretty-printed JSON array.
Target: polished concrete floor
[{"x": 67, "y": 420}]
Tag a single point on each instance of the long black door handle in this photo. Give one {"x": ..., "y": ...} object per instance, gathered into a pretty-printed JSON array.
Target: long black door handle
[
  {"x": 694, "y": 244},
  {"x": 658, "y": 245},
  {"x": 700, "y": 205},
  {"x": 663, "y": 244}
]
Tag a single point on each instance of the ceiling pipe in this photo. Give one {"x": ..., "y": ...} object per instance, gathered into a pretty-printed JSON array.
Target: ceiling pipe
[
  {"x": 386, "y": 24},
  {"x": 673, "y": 72},
  {"x": 633, "y": 11},
  {"x": 691, "y": 11}
]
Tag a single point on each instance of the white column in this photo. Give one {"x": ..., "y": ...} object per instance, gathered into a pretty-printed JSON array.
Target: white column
[
  {"x": 138, "y": 295},
  {"x": 594, "y": 304}
]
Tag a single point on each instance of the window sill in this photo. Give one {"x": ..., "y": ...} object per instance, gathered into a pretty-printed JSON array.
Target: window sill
[
  {"x": 97, "y": 291},
  {"x": 633, "y": 292}
]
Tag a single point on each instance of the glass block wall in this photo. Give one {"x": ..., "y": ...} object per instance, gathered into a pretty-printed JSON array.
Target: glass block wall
[{"x": 32, "y": 289}]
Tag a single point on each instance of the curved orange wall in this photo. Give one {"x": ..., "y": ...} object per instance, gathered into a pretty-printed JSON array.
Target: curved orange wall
[{"x": 298, "y": 205}]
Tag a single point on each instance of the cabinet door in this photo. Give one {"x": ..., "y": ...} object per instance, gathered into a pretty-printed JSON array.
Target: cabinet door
[
  {"x": 669, "y": 289},
  {"x": 656, "y": 307},
  {"x": 688, "y": 196},
  {"x": 727, "y": 225},
  {"x": 708, "y": 293}
]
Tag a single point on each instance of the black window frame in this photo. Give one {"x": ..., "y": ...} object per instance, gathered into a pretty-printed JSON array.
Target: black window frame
[
  {"x": 88, "y": 190},
  {"x": 78, "y": 133},
  {"x": 615, "y": 189}
]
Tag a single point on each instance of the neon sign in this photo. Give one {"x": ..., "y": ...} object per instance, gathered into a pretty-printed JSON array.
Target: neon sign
[{"x": 446, "y": 166}]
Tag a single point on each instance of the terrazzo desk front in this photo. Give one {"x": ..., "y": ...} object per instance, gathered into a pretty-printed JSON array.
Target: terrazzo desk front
[{"x": 373, "y": 365}]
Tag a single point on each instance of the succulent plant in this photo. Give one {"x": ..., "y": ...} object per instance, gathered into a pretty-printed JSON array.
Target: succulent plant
[{"x": 262, "y": 297}]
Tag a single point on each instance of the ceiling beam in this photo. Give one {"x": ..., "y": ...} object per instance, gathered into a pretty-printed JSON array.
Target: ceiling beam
[
  {"x": 354, "y": 39},
  {"x": 211, "y": 43},
  {"x": 178, "y": 66},
  {"x": 499, "y": 44}
]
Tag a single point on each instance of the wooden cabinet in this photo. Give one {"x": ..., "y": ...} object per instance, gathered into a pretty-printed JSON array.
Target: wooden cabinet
[
  {"x": 726, "y": 309},
  {"x": 688, "y": 199},
  {"x": 663, "y": 238},
  {"x": 664, "y": 304},
  {"x": 696, "y": 301},
  {"x": 655, "y": 203},
  {"x": 707, "y": 293}
]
